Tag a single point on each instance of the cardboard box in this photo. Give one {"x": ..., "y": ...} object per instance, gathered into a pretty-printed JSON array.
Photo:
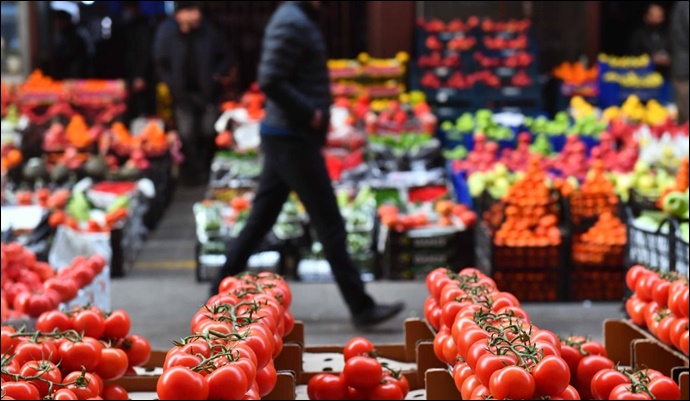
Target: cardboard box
[
  {"x": 630, "y": 345},
  {"x": 414, "y": 356}
]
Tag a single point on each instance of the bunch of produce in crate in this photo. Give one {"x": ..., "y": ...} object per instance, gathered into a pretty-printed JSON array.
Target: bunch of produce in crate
[
  {"x": 30, "y": 287},
  {"x": 73, "y": 356},
  {"x": 235, "y": 337},
  {"x": 530, "y": 216},
  {"x": 10, "y": 158},
  {"x": 445, "y": 214},
  {"x": 42, "y": 197},
  {"x": 660, "y": 304},
  {"x": 100, "y": 209},
  {"x": 364, "y": 377},
  {"x": 496, "y": 352},
  {"x": 607, "y": 237}
]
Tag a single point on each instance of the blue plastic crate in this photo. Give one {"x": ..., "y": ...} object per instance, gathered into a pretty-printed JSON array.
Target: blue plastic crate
[{"x": 460, "y": 187}]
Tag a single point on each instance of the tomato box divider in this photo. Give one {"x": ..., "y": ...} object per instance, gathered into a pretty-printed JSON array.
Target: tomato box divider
[
  {"x": 684, "y": 380},
  {"x": 440, "y": 385},
  {"x": 653, "y": 354},
  {"x": 618, "y": 338}
]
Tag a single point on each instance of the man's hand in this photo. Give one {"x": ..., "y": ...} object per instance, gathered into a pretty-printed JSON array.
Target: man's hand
[
  {"x": 138, "y": 85},
  {"x": 317, "y": 120}
]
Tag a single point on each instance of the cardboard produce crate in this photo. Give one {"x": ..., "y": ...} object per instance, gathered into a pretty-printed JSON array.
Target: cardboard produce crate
[{"x": 413, "y": 357}]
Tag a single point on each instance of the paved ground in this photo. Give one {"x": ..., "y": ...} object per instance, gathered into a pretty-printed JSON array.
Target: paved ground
[{"x": 161, "y": 294}]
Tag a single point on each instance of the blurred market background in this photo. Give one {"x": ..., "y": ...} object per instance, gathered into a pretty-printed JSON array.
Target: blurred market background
[{"x": 440, "y": 109}]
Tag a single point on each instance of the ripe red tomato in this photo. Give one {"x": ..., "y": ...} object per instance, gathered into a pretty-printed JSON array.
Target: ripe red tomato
[
  {"x": 634, "y": 306},
  {"x": 679, "y": 325},
  {"x": 29, "y": 351},
  {"x": 480, "y": 393},
  {"x": 512, "y": 382},
  {"x": 358, "y": 346},
  {"x": 66, "y": 287},
  {"x": 400, "y": 382},
  {"x": 386, "y": 391},
  {"x": 113, "y": 364},
  {"x": 570, "y": 393},
  {"x": 331, "y": 387},
  {"x": 634, "y": 274},
  {"x": 593, "y": 348},
  {"x": 20, "y": 391},
  {"x": 587, "y": 368},
  {"x": 664, "y": 388},
  {"x": 138, "y": 350},
  {"x": 449, "y": 311},
  {"x": 450, "y": 351},
  {"x": 11, "y": 366},
  {"x": 7, "y": 342},
  {"x": 471, "y": 383},
  {"x": 114, "y": 392},
  {"x": 76, "y": 355},
  {"x": 467, "y": 338},
  {"x": 64, "y": 394},
  {"x": 663, "y": 331},
  {"x": 362, "y": 373},
  {"x": 288, "y": 321},
  {"x": 433, "y": 277},
  {"x": 84, "y": 385},
  {"x": 261, "y": 342},
  {"x": 89, "y": 322},
  {"x": 488, "y": 364},
  {"x": 622, "y": 392},
  {"x": 476, "y": 351},
  {"x": 117, "y": 324},
  {"x": 181, "y": 383},
  {"x": 267, "y": 379},
  {"x": 551, "y": 375},
  {"x": 181, "y": 359},
  {"x": 248, "y": 367},
  {"x": 684, "y": 342},
  {"x": 605, "y": 381},
  {"x": 645, "y": 286},
  {"x": 227, "y": 383},
  {"x": 660, "y": 292},
  {"x": 548, "y": 336},
  {"x": 460, "y": 373},
  {"x": 313, "y": 384},
  {"x": 48, "y": 372},
  {"x": 54, "y": 319},
  {"x": 449, "y": 293}
]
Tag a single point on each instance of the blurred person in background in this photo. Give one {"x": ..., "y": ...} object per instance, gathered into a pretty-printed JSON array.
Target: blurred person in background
[
  {"x": 679, "y": 61},
  {"x": 294, "y": 76},
  {"x": 70, "y": 55},
  {"x": 138, "y": 43},
  {"x": 192, "y": 60},
  {"x": 652, "y": 38}
]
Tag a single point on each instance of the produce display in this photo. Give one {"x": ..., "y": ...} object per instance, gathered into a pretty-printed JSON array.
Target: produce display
[
  {"x": 74, "y": 355},
  {"x": 363, "y": 378},
  {"x": 495, "y": 351},
  {"x": 660, "y": 304},
  {"x": 30, "y": 287},
  {"x": 235, "y": 337},
  {"x": 373, "y": 77}
]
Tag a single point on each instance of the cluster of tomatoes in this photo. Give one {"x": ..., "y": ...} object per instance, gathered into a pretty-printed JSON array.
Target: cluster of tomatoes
[
  {"x": 235, "y": 337},
  {"x": 495, "y": 351},
  {"x": 362, "y": 378},
  {"x": 71, "y": 356},
  {"x": 30, "y": 287},
  {"x": 659, "y": 303}
]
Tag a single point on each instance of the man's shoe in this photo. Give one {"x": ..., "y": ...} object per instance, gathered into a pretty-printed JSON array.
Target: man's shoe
[{"x": 377, "y": 314}]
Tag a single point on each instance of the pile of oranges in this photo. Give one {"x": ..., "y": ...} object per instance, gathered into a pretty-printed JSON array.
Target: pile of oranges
[
  {"x": 607, "y": 237},
  {"x": 530, "y": 215}
]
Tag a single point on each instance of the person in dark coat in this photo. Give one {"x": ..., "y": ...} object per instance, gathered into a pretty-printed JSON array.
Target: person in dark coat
[
  {"x": 70, "y": 56},
  {"x": 192, "y": 60},
  {"x": 294, "y": 76},
  {"x": 652, "y": 39},
  {"x": 679, "y": 61},
  {"x": 139, "y": 70}
]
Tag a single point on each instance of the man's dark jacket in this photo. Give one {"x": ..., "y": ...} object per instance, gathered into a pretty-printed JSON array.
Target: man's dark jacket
[
  {"x": 293, "y": 72},
  {"x": 679, "y": 40},
  {"x": 170, "y": 53}
]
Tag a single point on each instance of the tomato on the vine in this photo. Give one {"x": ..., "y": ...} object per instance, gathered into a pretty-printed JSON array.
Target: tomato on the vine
[
  {"x": 117, "y": 324},
  {"x": 84, "y": 385},
  {"x": 137, "y": 348},
  {"x": 605, "y": 381},
  {"x": 624, "y": 392},
  {"x": 330, "y": 387},
  {"x": 551, "y": 375},
  {"x": 512, "y": 382},
  {"x": 227, "y": 383},
  {"x": 89, "y": 322},
  {"x": 266, "y": 379},
  {"x": 664, "y": 388},
  {"x": 76, "y": 355},
  {"x": 113, "y": 364},
  {"x": 179, "y": 383},
  {"x": 20, "y": 391},
  {"x": 114, "y": 392},
  {"x": 54, "y": 319},
  {"x": 47, "y": 371},
  {"x": 488, "y": 364},
  {"x": 386, "y": 391}
]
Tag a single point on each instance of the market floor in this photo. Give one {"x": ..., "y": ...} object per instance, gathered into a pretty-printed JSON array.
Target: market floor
[{"x": 161, "y": 294}]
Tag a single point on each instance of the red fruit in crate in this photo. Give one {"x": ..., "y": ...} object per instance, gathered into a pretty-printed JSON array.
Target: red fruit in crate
[
  {"x": 455, "y": 25},
  {"x": 430, "y": 80},
  {"x": 452, "y": 60},
  {"x": 457, "y": 81},
  {"x": 400, "y": 117},
  {"x": 432, "y": 43},
  {"x": 472, "y": 22}
]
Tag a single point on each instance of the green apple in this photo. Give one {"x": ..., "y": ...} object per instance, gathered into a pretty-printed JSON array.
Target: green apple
[
  {"x": 645, "y": 183},
  {"x": 476, "y": 184},
  {"x": 676, "y": 204},
  {"x": 641, "y": 167},
  {"x": 447, "y": 126},
  {"x": 483, "y": 115},
  {"x": 501, "y": 170}
]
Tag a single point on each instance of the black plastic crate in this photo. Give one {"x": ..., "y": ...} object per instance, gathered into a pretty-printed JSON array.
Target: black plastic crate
[
  {"x": 682, "y": 258},
  {"x": 406, "y": 257},
  {"x": 596, "y": 274},
  {"x": 581, "y": 211},
  {"x": 653, "y": 248},
  {"x": 531, "y": 273}
]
